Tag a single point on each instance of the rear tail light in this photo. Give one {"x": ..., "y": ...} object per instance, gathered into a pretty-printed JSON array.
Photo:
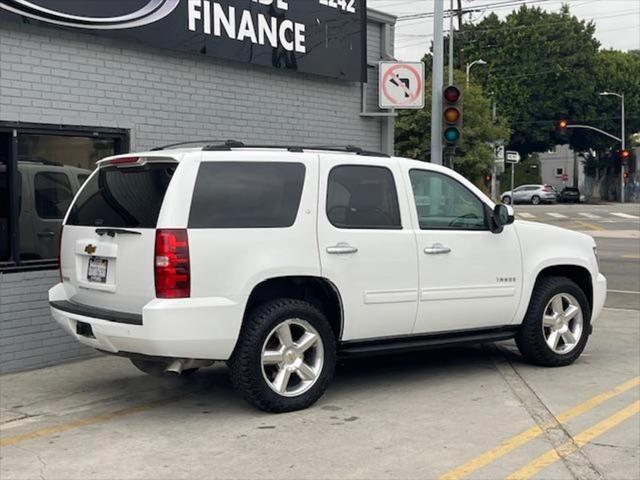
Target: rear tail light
[
  {"x": 546, "y": 189},
  {"x": 172, "y": 267},
  {"x": 59, "y": 249}
]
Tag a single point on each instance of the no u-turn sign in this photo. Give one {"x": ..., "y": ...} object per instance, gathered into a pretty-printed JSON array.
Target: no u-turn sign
[{"x": 401, "y": 85}]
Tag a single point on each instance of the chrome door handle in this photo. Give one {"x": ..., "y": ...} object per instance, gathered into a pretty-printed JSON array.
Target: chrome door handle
[
  {"x": 436, "y": 249},
  {"x": 341, "y": 249}
]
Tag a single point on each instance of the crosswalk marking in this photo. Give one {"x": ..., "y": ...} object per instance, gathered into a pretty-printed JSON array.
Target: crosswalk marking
[
  {"x": 624, "y": 215},
  {"x": 590, "y": 215},
  {"x": 526, "y": 215},
  {"x": 556, "y": 215}
]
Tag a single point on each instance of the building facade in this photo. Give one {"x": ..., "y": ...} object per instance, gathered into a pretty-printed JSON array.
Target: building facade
[{"x": 69, "y": 98}]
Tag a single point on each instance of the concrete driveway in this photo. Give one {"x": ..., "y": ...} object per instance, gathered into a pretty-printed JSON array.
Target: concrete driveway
[{"x": 466, "y": 412}]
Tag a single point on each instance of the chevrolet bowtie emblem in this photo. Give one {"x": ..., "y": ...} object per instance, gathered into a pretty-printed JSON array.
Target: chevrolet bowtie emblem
[{"x": 90, "y": 249}]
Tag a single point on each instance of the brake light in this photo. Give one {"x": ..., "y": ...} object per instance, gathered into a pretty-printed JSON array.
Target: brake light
[
  {"x": 123, "y": 161},
  {"x": 172, "y": 268},
  {"x": 546, "y": 189},
  {"x": 59, "y": 249}
]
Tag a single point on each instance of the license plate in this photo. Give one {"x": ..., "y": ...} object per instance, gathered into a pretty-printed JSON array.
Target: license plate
[{"x": 97, "y": 271}]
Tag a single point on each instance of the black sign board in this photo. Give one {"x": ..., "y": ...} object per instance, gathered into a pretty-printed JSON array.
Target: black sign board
[{"x": 323, "y": 37}]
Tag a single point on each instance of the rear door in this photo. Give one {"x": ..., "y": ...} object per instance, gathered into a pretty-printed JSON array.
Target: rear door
[
  {"x": 366, "y": 244},
  {"x": 108, "y": 238}
]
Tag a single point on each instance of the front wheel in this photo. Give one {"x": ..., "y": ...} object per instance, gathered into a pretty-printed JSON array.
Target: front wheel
[
  {"x": 556, "y": 326},
  {"x": 285, "y": 356},
  {"x": 535, "y": 200}
]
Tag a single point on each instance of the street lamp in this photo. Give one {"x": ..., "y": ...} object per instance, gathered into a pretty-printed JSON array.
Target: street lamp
[
  {"x": 469, "y": 65},
  {"x": 622, "y": 140}
]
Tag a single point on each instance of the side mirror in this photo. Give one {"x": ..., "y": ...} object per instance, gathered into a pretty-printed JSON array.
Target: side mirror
[{"x": 502, "y": 215}]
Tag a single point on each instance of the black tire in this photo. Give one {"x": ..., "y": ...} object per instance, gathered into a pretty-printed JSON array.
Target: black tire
[
  {"x": 530, "y": 337},
  {"x": 506, "y": 200},
  {"x": 246, "y": 367},
  {"x": 535, "y": 200},
  {"x": 156, "y": 369}
]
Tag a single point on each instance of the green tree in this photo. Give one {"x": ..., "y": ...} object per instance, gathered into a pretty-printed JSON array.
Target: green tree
[
  {"x": 541, "y": 67},
  {"x": 474, "y": 157}
]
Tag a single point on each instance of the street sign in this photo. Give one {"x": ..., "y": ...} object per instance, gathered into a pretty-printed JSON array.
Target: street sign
[
  {"x": 401, "y": 85},
  {"x": 500, "y": 154},
  {"x": 512, "y": 156}
]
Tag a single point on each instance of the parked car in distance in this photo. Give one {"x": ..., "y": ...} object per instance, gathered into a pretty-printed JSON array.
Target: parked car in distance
[
  {"x": 45, "y": 191},
  {"x": 278, "y": 260},
  {"x": 569, "y": 195},
  {"x": 533, "y": 194}
]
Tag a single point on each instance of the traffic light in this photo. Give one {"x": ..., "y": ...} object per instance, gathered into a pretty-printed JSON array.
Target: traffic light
[
  {"x": 487, "y": 178},
  {"x": 562, "y": 126},
  {"x": 626, "y": 176},
  {"x": 624, "y": 154},
  {"x": 452, "y": 113}
]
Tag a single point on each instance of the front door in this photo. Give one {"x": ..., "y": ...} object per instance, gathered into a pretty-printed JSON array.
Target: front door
[
  {"x": 367, "y": 246},
  {"x": 469, "y": 277}
]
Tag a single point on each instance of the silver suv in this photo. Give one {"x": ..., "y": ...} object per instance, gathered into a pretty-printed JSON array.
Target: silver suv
[{"x": 534, "y": 194}]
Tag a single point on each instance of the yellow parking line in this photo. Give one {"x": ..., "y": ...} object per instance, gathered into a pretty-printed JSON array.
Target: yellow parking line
[
  {"x": 590, "y": 226},
  {"x": 512, "y": 443},
  {"x": 63, "y": 427},
  {"x": 580, "y": 440}
]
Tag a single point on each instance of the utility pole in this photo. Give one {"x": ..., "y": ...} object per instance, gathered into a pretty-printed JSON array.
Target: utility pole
[
  {"x": 436, "y": 92},
  {"x": 461, "y": 30},
  {"x": 450, "y": 151},
  {"x": 494, "y": 170},
  {"x": 451, "y": 42}
]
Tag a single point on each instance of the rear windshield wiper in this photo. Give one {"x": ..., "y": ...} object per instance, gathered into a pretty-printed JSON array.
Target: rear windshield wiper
[{"x": 112, "y": 231}]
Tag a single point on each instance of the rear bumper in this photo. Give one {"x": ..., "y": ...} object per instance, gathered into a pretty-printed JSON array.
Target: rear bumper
[
  {"x": 599, "y": 296},
  {"x": 200, "y": 328}
]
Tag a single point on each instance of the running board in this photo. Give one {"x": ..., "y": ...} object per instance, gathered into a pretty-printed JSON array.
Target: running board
[{"x": 410, "y": 343}]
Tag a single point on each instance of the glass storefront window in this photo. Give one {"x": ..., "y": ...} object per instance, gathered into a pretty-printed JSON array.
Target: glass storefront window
[{"x": 51, "y": 169}]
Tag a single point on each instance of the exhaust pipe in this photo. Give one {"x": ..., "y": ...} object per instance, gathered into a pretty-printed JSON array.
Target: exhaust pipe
[{"x": 175, "y": 367}]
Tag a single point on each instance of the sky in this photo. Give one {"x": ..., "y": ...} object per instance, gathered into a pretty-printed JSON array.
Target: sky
[{"x": 617, "y": 21}]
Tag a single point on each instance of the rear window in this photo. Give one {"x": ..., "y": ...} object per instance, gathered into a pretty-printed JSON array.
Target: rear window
[
  {"x": 128, "y": 197},
  {"x": 246, "y": 195}
]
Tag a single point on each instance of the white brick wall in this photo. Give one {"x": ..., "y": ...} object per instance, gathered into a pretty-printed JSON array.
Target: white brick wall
[
  {"x": 29, "y": 337},
  {"x": 59, "y": 77}
]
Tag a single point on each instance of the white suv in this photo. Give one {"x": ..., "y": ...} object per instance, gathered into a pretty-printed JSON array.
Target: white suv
[{"x": 278, "y": 260}]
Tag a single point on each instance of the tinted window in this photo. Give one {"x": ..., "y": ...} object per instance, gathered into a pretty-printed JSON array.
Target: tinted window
[
  {"x": 443, "y": 203},
  {"x": 246, "y": 195},
  {"x": 52, "y": 194},
  {"x": 362, "y": 197},
  {"x": 82, "y": 177},
  {"x": 128, "y": 197}
]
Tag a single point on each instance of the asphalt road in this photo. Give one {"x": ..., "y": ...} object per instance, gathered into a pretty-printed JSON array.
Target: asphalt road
[
  {"x": 616, "y": 229},
  {"x": 474, "y": 412}
]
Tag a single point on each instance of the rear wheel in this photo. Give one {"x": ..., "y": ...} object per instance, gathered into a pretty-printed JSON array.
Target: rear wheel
[
  {"x": 535, "y": 200},
  {"x": 506, "y": 200},
  {"x": 285, "y": 356},
  {"x": 557, "y": 324}
]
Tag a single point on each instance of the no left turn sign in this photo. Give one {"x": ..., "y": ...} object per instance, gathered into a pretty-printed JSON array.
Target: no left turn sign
[{"x": 401, "y": 85}]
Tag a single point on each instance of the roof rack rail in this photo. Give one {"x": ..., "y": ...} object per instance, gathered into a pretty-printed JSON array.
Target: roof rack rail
[
  {"x": 191, "y": 142},
  {"x": 227, "y": 145},
  {"x": 230, "y": 144}
]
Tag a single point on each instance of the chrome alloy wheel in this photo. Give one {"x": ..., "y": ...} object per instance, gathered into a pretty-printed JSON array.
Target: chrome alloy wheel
[
  {"x": 562, "y": 323},
  {"x": 292, "y": 357}
]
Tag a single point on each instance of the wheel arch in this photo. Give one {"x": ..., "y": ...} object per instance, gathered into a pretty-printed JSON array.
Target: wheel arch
[
  {"x": 578, "y": 273},
  {"x": 318, "y": 291}
]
